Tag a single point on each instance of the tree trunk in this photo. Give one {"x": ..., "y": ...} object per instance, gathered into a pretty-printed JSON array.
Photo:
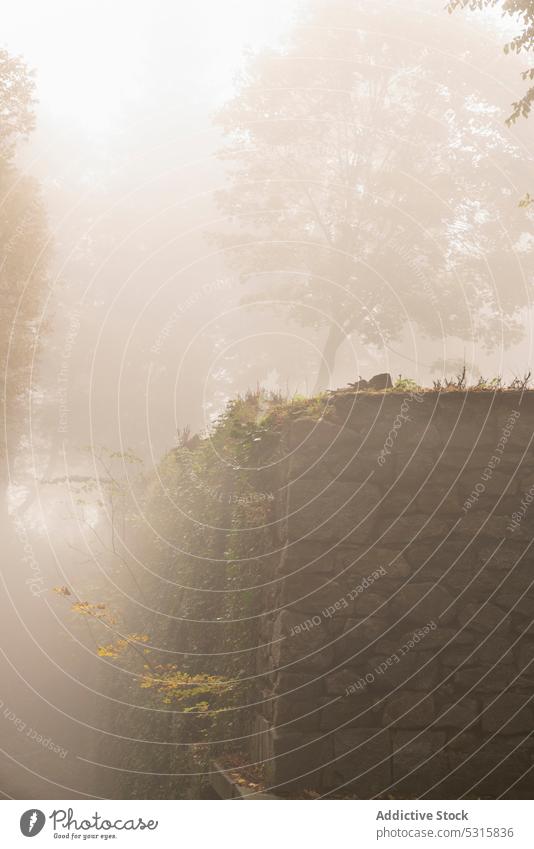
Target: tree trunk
[{"x": 332, "y": 343}]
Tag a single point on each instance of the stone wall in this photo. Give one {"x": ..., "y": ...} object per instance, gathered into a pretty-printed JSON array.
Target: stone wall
[{"x": 397, "y": 645}]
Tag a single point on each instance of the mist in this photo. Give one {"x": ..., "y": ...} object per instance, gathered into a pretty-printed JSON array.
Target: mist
[{"x": 235, "y": 203}]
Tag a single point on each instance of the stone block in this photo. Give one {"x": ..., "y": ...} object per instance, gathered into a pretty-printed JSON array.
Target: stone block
[
  {"x": 518, "y": 605},
  {"x": 298, "y": 560},
  {"x": 297, "y": 715},
  {"x": 458, "y": 717},
  {"x": 465, "y": 420},
  {"x": 483, "y": 679},
  {"x": 438, "y": 497},
  {"x": 524, "y": 651},
  {"x": 344, "y": 712},
  {"x": 408, "y": 529},
  {"x": 362, "y": 762},
  {"x": 302, "y": 685},
  {"x": 358, "y": 639},
  {"x": 313, "y": 597},
  {"x": 485, "y": 768},
  {"x": 421, "y": 602},
  {"x": 483, "y": 525},
  {"x": 419, "y": 762},
  {"x": 298, "y": 646},
  {"x": 337, "y": 683},
  {"x": 353, "y": 565},
  {"x": 337, "y": 511},
  {"x": 389, "y": 672},
  {"x": 509, "y": 714},
  {"x": 484, "y": 617},
  {"x": 490, "y": 649},
  {"x": 409, "y": 709},
  {"x": 298, "y": 760}
]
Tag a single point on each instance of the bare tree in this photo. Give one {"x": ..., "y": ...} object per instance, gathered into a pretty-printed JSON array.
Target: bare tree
[{"x": 23, "y": 239}]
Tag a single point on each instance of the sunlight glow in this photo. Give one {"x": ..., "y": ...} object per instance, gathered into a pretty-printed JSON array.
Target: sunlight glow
[{"x": 123, "y": 57}]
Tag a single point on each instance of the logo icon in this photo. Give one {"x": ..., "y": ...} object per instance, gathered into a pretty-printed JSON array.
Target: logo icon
[{"x": 32, "y": 822}]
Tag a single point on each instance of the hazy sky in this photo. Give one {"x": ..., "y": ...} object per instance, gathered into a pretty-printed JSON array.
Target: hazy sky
[
  {"x": 97, "y": 59},
  {"x": 109, "y": 77}
]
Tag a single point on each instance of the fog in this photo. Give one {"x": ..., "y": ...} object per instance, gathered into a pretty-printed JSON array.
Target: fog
[
  {"x": 284, "y": 196},
  {"x": 126, "y": 153}
]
